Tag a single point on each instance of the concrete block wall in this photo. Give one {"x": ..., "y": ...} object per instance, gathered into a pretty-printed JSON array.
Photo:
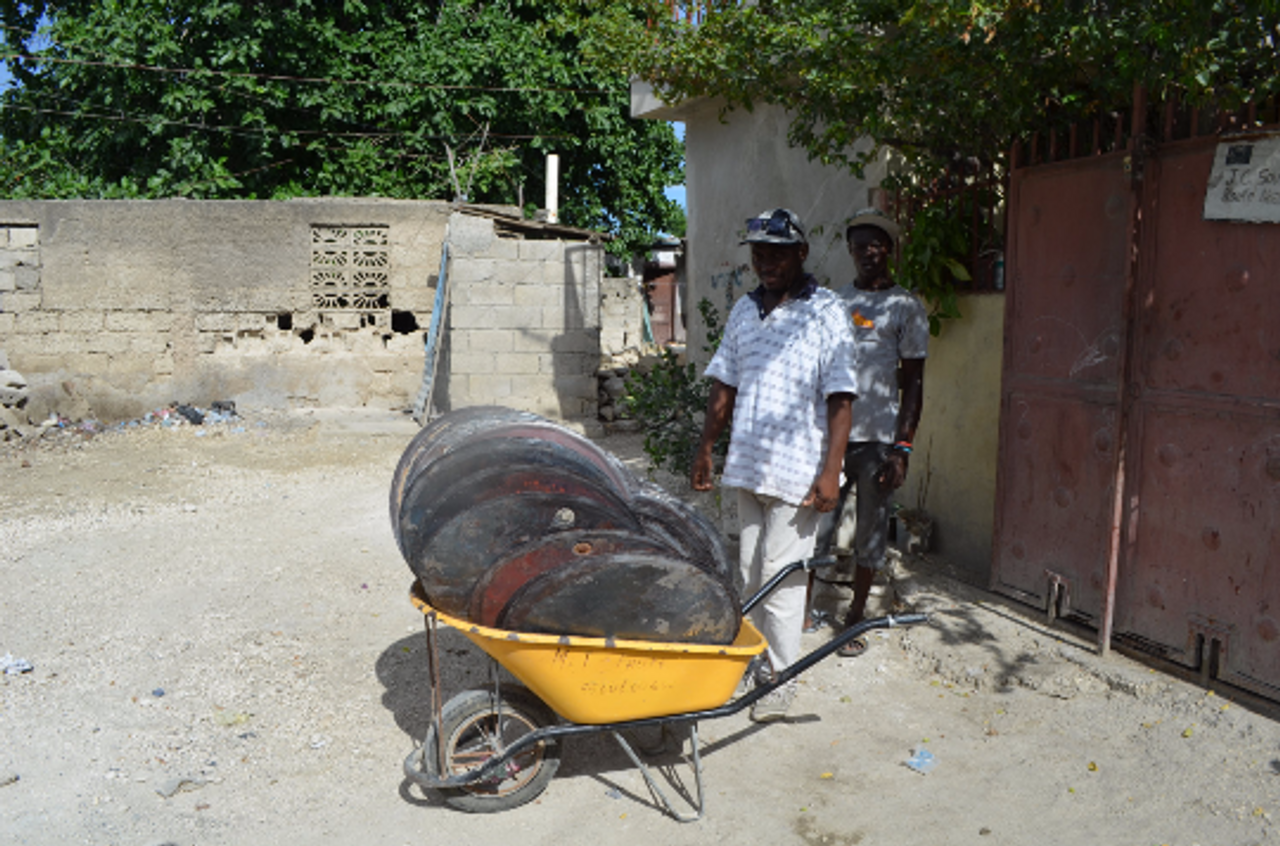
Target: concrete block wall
[
  {"x": 621, "y": 318},
  {"x": 524, "y": 322},
  {"x": 112, "y": 308}
]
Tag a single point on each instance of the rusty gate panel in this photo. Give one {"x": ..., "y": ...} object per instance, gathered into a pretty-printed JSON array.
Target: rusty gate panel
[
  {"x": 1069, "y": 256},
  {"x": 1059, "y": 464},
  {"x": 1200, "y": 581},
  {"x": 1204, "y": 529}
]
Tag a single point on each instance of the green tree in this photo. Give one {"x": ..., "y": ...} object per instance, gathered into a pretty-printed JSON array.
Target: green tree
[
  {"x": 941, "y": 80},
  {"x": 286, "y": 98}
]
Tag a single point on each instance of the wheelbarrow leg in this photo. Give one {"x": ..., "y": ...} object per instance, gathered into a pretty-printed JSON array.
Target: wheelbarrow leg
[
  {"x": 437, "y": 697},
  {"x": 699, "y": 804}
]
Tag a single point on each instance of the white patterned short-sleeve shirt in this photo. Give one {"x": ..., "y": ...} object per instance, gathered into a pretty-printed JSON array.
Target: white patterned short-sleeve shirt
[{"x": 784, "y": 366}]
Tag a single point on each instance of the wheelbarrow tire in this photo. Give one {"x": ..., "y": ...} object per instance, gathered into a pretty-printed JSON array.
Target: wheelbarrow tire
[{"x": 469, "y": 726}]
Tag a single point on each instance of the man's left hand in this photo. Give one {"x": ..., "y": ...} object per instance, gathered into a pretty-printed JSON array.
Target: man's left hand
[{"x": 893, "y": 472}]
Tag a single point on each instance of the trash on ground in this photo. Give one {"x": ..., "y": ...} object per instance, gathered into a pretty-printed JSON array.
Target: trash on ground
[
  {"x": 922, "y": 761},
  {"x": 13, "y": 666}
]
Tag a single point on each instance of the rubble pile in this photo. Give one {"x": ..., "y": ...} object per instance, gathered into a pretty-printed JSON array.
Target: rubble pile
[
  {"x": 13, "y": 401},
  {"x": 613, "y": 381}
]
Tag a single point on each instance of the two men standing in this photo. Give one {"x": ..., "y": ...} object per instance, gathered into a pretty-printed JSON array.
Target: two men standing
[{"x": 803, "y": 375}]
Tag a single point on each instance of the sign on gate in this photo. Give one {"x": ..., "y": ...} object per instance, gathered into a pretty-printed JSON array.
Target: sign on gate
[{"x": 1244, "y": 184}]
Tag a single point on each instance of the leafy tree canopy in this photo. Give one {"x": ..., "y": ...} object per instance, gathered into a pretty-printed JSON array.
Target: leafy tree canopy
[
  {"x": 941, "y": 79},
  {"x": 285, "y": 98}
]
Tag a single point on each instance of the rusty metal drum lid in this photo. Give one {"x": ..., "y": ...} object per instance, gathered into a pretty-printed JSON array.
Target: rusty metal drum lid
[
  {"x": 505, "y": 577},
  {"x": 490, "y": 516},
  {"x": 481, "y": 470},
  {"x": 470, "y": 426},
  {"x": 679, "y": 525},
  {"x": 438, "y": 436},
  {"x": 628, "y": 596}
]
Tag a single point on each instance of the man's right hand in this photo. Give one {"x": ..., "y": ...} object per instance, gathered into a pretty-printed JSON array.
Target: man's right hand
[{"x": 703, "y": 470}]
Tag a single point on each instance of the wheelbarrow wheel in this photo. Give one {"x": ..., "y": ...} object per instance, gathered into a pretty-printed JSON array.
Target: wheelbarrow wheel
[{"x": 475, "y": 728}]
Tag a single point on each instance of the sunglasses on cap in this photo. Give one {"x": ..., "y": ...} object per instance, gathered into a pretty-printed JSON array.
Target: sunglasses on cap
[{"x": 779, "y": 225}]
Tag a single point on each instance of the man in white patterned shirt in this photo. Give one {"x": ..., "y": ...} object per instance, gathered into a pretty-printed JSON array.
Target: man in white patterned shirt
[{"x": 785, "y": 375}]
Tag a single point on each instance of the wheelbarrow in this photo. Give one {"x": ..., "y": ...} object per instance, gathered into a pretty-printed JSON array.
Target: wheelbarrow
[{"x": 493, "y": 749}]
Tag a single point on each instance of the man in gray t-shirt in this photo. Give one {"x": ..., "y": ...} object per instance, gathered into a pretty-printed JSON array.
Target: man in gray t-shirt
[{"x": 891, "y": 331}]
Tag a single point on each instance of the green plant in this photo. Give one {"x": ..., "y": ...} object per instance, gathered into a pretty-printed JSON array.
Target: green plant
[
  {"x": 932, "y": 260},
  {"x": 670, "y": 401},
  {"x": 220, "y": 99}
]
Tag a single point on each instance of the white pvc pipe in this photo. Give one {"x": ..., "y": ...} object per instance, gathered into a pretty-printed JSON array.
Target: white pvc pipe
[{"x": 553, "y": 180}]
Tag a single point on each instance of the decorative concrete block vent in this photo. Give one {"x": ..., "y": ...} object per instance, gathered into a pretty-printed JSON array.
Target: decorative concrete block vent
[
  {"x": 350, "y": 268},
  {"x": 19, "y": 260}
]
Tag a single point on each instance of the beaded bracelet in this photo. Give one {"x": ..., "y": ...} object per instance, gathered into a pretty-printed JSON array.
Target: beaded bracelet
[{"x": 903, "y": 446}]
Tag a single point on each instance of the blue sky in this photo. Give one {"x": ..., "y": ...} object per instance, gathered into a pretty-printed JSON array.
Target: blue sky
[{"x": 676, "y": 192}]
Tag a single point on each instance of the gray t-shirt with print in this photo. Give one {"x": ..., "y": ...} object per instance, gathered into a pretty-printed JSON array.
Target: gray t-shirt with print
[{"x": 888, "y": 325}]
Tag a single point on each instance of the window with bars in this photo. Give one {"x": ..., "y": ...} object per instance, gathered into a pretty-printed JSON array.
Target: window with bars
[{"x": 350, "y": 268}]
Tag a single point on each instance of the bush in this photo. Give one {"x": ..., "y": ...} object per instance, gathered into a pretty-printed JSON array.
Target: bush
[{"x": 670, "y": 402}]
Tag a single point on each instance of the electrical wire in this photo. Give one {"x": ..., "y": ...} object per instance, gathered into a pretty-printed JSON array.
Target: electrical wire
[
  {"x": 239, "y": 130},
  {"x": 366, "y": 83}
]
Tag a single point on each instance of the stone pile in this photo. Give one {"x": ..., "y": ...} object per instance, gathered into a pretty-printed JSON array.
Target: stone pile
[
  {"x": 611, "y": 393},
  {"x": 614, "y": 384}
]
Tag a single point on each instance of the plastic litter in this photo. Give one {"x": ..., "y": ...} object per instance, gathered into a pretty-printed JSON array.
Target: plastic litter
[
  {"x": 193, "y": 415},
  {"x": 14, "y": 666},
  {"x": 922, "y": 761}
]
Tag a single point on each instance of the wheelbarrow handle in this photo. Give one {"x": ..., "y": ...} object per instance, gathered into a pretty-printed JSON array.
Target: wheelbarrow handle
[{"x": 807, "y": 564}]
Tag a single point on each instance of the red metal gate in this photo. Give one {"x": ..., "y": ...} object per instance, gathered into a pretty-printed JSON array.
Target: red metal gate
[
  {"x": 1139, "y": 478},
  {"x": 1068, "y": 260},
  {"x": 1201, "y": 576}
]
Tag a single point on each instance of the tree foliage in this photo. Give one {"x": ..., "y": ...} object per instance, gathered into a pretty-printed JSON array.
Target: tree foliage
[
  {"x": 288, "y": 98},
  {"x": 939, "y": 80}
]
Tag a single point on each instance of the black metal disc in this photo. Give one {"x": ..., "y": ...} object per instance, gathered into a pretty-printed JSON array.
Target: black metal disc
[
  {"x": 438, "y": 436},
  {"x": 627, "y": 596},
  {"x": 489, "y": 514},
  {"x": 478, "y": 470},
  {"x": 506, "y": 576},
  {"x": 682, "y": 527},
  {"x": 481, "y": 423}
]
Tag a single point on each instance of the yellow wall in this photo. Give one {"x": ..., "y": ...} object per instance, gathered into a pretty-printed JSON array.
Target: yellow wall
[{"x": 956, "y": 442}]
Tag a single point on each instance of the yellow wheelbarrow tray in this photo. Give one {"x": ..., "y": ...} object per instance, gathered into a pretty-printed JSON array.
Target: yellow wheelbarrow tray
[
  {"x": 499, "y": 751},
  {"x": 597, "y": 681}
]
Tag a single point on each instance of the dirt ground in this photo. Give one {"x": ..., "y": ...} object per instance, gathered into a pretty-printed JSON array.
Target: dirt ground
[{"x": 223, "y": 652}]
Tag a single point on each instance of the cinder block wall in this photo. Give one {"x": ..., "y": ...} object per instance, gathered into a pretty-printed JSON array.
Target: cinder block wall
[
  {"x": 524, "y": 322},
  {"x": 621, "y": 319},
  {"x": 110, "y": 308}
]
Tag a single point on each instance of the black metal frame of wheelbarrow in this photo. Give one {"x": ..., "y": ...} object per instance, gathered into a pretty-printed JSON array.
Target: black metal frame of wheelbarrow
[{"x": 416, "y": 768}]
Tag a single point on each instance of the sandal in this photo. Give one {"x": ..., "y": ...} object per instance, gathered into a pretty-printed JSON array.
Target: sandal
[{"x": 853, "y": 648}]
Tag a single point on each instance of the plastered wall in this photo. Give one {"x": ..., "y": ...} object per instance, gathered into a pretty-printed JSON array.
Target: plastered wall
[{"x": 953, "y": 467}]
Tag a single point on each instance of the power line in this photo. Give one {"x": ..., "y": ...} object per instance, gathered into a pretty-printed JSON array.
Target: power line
[
  {"x": 426, "y": 86},
  {"x": 239, "y": 130}
]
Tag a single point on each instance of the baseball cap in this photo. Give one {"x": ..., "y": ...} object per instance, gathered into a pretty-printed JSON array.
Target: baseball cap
[
  {"x": 876, "y": 218},
  {"x": 775, "y": 226}
]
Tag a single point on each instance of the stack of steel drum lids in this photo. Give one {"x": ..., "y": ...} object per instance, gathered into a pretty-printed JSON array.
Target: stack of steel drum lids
[{"x": 517, "y": 523}]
